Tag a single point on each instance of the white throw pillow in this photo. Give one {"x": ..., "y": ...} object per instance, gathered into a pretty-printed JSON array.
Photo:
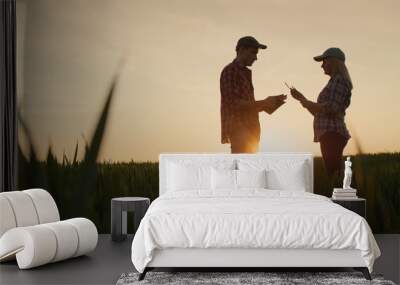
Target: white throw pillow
[
  {"x": 251, "y": 178},
  {"x": 190, "y": 174},
  {"x": 186, "y": 177},
  {"x": 292, "y": 179},
  {"x": 223, "y": 179},
  {"x": 282, "y": 174}
]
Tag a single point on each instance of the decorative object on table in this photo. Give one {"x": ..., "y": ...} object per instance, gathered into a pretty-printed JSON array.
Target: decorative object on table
[
  {"x": 119, "y": 208},
  {"x": 32, "y": 233},
  {"x": 357, "y": 205},
  {"x": 347, "y": 192},
  {"x": 347, "y": 174},
  {"x": 244, "y": 278}
]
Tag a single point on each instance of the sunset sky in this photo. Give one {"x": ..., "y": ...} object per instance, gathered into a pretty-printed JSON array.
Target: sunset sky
[{"x": 168, "y": 99}]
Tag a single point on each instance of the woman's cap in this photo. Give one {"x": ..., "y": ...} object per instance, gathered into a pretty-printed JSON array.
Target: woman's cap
[
  {"x": 249, "y": 42},
  {"x": 331, "y": 52}
]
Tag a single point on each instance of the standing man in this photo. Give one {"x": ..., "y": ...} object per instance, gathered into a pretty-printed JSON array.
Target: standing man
[{"x": 240, "y": 124}]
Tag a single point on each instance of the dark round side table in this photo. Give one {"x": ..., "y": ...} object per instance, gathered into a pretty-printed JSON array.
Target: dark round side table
[{"x": 119, "y": 208}]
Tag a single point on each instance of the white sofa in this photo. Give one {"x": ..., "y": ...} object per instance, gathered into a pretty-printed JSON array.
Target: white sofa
[{"x": 31, "y": 230}]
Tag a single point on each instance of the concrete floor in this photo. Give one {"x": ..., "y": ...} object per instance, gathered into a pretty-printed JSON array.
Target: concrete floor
[{"x": 111, "y": 259}]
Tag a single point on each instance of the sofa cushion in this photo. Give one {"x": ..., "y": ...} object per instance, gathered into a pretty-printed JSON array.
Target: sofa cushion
[
  {"x": 23, "y": 208},
  {"x": 7, "y": 220},
  {"x": 45, "y": 205}
]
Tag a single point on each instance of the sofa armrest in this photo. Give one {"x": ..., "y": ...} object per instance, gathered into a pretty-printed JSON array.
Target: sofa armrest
[
  {"x": 40, "y": 244},
  {"x": 32, "y": 246}
]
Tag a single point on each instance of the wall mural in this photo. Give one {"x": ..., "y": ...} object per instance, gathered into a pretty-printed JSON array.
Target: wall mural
[{"x": 105, "y": 87}]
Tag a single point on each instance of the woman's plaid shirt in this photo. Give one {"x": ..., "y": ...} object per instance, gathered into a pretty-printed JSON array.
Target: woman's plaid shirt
[
  {"x": 335, "y": 98},
  {"x": 236, "y": 83}
]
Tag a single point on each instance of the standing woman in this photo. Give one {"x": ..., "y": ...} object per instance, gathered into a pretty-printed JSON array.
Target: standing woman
[{"x": 329, "y": 111}]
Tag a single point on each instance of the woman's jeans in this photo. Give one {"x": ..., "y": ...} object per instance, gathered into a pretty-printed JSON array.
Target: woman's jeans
[{"x": 332, "y": 145}]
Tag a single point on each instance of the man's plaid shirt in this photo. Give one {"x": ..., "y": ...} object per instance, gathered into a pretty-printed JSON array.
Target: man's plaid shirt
[
  {"x": 335, "y": 98},
  {"x": 236, "y": 83}
]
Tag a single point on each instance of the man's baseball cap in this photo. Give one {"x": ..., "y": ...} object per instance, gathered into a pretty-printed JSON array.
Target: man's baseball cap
[
  {"x": 249, "y": 41},
  {"x": 331, "y": 52}
]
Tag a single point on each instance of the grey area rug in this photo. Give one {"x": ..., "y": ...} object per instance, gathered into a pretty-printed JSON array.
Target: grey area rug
[{"x": 225, "y": 278}]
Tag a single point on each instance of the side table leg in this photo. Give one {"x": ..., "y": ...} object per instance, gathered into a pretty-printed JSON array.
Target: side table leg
[
  {"x": 117, "y": 222},
  {"x": 124, "y": 223}
]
